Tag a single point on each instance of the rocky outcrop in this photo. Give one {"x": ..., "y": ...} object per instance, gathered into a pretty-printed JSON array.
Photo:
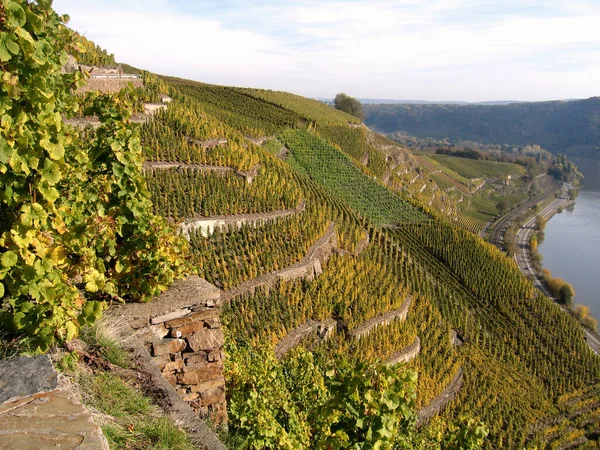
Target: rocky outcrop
[
  {"x": 406, "y": 354},
  {"x": 440, "y": 402},
  {"x": 181, "y": 330},
  {"x": 307, "y": 268},
  {"x": 37, "y": 412},
  {"x": 321, "y": 329},
  {"x": 381, "y": 319}
]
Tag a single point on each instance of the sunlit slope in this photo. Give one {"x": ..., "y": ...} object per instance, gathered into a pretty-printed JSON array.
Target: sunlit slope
[{"x": 519, "y": 352}]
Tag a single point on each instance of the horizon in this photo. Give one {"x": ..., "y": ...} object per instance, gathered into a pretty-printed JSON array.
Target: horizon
[{"x": 471, "y": 50}]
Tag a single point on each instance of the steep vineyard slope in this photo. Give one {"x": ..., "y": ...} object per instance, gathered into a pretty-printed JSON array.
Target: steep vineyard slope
[{"x": 519, "y": 352}]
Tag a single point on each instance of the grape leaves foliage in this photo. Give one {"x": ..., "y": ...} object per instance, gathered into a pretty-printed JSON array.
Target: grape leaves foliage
[{"x": 76, "y": 227}]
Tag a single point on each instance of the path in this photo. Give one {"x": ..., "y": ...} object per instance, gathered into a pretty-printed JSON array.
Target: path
[
  {"x": 407, "y": 353},
  {"x": 500, "y": 226}
]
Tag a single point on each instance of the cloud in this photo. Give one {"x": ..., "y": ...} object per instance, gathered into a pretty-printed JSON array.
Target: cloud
[{"x": 444, "y": 49}]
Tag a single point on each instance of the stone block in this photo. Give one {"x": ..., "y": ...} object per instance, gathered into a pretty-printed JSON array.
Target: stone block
[
  {"x": 190, "y": 396},
  {"x": 206, "y": 339},
  {"x": 166, "y": 346},
  {"x": 214, "y": 322},
  {"x": 170, "y": 316},
  {"x": 208, "y": 385},
  {"x": 161, "y": 361},
  {"x": 187, "y": 329},
  {"x": 193, "y": 317},
  {"x": 26, "y": 375},
  {"x": 212, "y": 397},
  {"x": 173, "y": 366},
  {"x": 171, "y": 378},
  {"x": 200, "y": 375},
  {"x": 196, "y": 358},
  {"x": 215, "y": 356}
]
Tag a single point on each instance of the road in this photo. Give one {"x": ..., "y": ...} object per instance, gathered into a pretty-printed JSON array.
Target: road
[
  {"x": 501, "y": 225},
  {"x": 523, "y": 259}
]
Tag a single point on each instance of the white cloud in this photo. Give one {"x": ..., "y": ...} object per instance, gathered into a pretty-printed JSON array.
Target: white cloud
[{"x": 445, "y": 49}]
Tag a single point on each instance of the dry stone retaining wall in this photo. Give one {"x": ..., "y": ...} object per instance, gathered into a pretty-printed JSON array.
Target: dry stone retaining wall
[
  {"x": 442, "y": 400},
  {"x": 322, "y": 329},
  {"x": 208, "y": 225},
  {"x": 382, "y": 319},
  {"x": 181, "y": 330},
  {"x": 407, "y": 353},
  {"x": 110, "y": 85},
  {"x": 308, "y": 267}
]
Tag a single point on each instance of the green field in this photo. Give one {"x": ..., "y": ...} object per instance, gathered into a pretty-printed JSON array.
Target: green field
[
  {"x": 322, "y": 162},
  {"x": 472, "y": 168}
]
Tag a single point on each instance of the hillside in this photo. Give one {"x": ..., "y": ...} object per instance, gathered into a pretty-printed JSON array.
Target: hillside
[
  {"x": 559, "y": 126},
  {"x": 354, "y": 312},
  {"x": 412, "y": 252}
]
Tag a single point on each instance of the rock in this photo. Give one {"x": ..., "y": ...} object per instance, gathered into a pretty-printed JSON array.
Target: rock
[
  {"x": 200, "y": 375},
  {"x": 191, "y": 318},
  {"x": 161, "y": 361},
  {"x": 318, "y": 268},
  {"x": 208, "y": 385},
  {"x": 187, "y": 329},
  {"x": 212, "y": 397},
  {"x": 55, "y": 420},
  {"x": 190, "y": 396},
  {"x": 25, "y": 375},
  {"x": 206, "y": 339},
  {"x": 170, "y": 316},
  {"x": 166, "y": 346},
  {"x": 151, "y": 334},
  {"x": 196, "y": 358},
  {"x": 173, "y": 366}
]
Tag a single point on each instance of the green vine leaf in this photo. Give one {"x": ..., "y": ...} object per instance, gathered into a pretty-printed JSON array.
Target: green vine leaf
[{"x": 8, "y": 259}]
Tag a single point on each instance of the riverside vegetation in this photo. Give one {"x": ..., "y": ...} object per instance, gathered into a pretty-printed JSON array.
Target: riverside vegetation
[{"x": 84, "y": 224}]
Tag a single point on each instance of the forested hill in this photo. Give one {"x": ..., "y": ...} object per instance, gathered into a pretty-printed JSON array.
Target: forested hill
[{"x": 559, "y": 126}]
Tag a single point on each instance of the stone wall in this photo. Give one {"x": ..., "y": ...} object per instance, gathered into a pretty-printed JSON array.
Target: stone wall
[
  {"x": 181, "y": 330},
  {"x": 110, "y": 85}
]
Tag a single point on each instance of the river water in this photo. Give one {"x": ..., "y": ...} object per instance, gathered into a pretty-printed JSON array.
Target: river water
[{"x": 571, "y": 249}]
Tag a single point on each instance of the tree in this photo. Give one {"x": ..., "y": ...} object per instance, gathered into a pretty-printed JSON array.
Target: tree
[
  {"x": 502, "y": 206},
  {"x": 349, "y": 105},
  {"x": 566, "y": 294}
]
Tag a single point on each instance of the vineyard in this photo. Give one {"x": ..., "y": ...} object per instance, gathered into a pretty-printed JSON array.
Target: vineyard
[
  {"x": 403, "y": 270},
  {"x": 452, "y": 276},
  {"x": 345, "y": 181}
]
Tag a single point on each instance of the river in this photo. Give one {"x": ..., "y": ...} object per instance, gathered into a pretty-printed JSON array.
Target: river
[{"x": 571, "y": 248}]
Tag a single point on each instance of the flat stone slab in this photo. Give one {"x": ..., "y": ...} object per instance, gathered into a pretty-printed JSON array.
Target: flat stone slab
[
  {"x": 49, "y": 420},
  {"x": 26, "y": 375}
]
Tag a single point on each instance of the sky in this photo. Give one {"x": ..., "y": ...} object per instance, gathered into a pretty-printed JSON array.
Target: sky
[{"x": 468, "y": 50}]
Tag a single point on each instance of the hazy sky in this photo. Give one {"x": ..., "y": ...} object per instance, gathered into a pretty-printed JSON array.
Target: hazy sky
[{"x": 469, "y": 50}]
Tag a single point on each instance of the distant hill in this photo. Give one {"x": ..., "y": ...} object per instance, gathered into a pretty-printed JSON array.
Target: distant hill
[
  {"x": 571, "y": 126},
  {"x": 376, "y": 101}
]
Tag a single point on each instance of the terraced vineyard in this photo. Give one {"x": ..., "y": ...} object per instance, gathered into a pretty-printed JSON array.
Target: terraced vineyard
[{"x": 325, "y": 164}]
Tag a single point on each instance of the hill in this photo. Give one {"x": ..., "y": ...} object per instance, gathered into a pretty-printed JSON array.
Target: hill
[
  {"x": 559, "y": 126},
  {"x": 355, "y": 313}
]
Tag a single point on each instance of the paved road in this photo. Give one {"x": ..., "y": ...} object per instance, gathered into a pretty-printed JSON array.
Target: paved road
[
  {"x": 499, "y": 229},
  {"x": 523, "y": 259}
]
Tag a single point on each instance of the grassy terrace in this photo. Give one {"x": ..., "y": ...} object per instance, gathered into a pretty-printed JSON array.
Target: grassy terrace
[{"x": 472, "y": 168}]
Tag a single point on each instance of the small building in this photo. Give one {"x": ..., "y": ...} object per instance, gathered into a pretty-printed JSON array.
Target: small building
[{"x": 165, "y": 99}]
